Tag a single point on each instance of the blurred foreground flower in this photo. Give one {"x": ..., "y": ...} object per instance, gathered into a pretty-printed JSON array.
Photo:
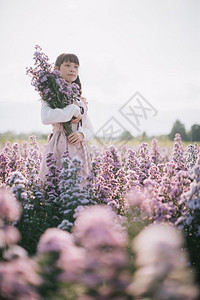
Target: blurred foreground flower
[
  {"x": 18, "y": 279},
  {"x": 10, "y": 208},
  {"x": 61, "y": 264},
  {"x": 97, "y": 230},
  {"x": 162, "y": 265}
]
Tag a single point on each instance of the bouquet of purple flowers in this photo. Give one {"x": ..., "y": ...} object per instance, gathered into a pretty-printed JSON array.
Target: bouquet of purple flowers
[{"x": 53, "y": 89}]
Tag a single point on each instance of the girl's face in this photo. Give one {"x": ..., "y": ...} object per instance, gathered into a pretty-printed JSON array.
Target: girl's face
[{"x": 69, "y": 71}]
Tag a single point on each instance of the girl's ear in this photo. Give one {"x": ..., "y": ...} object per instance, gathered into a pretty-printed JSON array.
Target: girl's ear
[{"x": 56, "y": 68}]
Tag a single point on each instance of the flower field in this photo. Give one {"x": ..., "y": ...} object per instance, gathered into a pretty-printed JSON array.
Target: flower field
[{"x": 132, "y": 231}]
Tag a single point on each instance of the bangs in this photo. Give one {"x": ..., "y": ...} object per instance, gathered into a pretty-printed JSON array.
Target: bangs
[
  {"x": 71, "y": 58},
  {"x": 66, "y": 57}
]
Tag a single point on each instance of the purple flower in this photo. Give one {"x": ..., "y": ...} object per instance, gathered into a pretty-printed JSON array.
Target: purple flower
[
  {"x": 178, "y": 153},
  {"x": 144, "y": 160},
  {"x": 4, "y": 167},
  {"x": 191, "y": 200},
  {"x": 155, "y": 152}
]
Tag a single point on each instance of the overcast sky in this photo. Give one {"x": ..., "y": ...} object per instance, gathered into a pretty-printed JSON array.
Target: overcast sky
[{"x": 124, "y": 46}]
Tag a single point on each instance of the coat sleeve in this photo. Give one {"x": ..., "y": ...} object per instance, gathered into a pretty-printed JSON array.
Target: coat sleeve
[
  {"x": 58, "y": 115},
  {"x": 87, "y": 129}
]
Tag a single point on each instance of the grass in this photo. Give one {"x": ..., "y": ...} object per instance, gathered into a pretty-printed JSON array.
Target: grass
[
  {"x": 163, "y": 141},
  {"x": 137, "y": 141}
]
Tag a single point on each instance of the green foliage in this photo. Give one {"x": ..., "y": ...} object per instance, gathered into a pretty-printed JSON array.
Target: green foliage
[
  {"x": 33, "y": 223},
  {"x": 178, "y": 127},
  {"x": 195, "y": 133},
  {"x": 126, "y": 135}
]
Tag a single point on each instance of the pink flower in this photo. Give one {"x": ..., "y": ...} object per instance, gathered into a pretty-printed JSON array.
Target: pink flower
[
  {"x": 13, "y": 252},
  {"x": 96, "y": 226},
  {"x": 140, "y": 200},
  {"x": 2, "y": 239},
  {"x": 97, "y": 229},
  {"x": 11, "y": 235},
  {"x": 72, "y": 263},
  {"x": 134, "y": 197},
  {"x": 18, "y": 278},
  {"x": 9, "y": 207},
  {"x": 156, "y": 242},
  {"x": 162, "y": 266},
  {"x": 54, "y": 240},
  {"x": 71, "y": 259}
]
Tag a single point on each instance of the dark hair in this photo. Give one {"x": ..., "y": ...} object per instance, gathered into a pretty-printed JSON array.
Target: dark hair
[{"x": 68, "y": 57}]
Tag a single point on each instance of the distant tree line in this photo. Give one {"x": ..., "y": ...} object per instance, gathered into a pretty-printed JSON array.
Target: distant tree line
[{"x": 192, "y": 135}]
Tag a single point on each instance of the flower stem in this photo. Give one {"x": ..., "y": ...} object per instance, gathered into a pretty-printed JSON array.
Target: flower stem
[{"x": 67, "y": 127}]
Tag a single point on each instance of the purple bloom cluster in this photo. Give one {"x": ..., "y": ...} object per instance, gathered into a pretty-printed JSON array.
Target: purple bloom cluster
[
  {"x": 102, "y": 251},
  {"x": 71, "y": 194},
  {"x": 114, "y": 175},
  {"x": 108, "y": 179},
  {"x": 100, "y": 258},
  {"x": 144, "y": 160},
  {"x": 4, "y": 168},
  {"x": 52, "y": 179},
  {"x": 191, "y": 155},
  {"x": 155, "y": 153},
  {"x": 191, "y": 200},
  {"x": 178, "y": 153}
]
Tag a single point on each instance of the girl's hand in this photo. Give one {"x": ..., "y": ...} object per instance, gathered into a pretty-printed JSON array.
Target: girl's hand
[
  {"x": 75, "y": 137},
  {"x": 77, "y": 119}
]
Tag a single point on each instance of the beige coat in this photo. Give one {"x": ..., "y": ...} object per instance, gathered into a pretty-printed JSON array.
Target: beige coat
[{"x": 58, "y": 142}]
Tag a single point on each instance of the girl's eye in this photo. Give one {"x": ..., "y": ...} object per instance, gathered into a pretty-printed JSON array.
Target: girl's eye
[{"x": 68, "y": 65}]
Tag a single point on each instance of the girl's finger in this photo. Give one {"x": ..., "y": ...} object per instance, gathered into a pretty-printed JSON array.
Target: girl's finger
[
  {"x": 73, "y": 138},
  {"x": 74, "y": 142}
]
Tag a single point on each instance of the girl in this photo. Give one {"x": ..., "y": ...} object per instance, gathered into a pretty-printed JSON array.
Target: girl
[{"x": 83, "y": 131}]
